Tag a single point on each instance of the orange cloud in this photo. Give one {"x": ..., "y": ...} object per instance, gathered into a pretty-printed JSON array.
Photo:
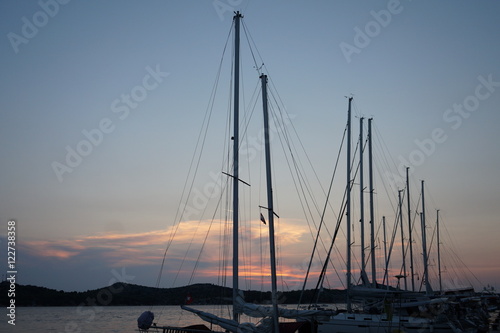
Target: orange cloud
[
  {"x": 61, "y": 250},
  {"x": 192, "y": 240}
]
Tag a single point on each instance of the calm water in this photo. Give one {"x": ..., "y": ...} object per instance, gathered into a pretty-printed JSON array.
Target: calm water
[
  {"x": 98, "y": 319},
  {"x": 90, "y": 319}
]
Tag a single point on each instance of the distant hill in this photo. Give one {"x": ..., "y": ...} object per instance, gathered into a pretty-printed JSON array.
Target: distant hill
[{"x": 131, "y": 294}]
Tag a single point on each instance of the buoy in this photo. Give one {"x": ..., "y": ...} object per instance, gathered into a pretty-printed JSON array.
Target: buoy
[{"x": 145, "y": 320}]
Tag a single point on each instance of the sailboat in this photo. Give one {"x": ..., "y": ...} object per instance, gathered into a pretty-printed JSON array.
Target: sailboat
[
  {"x": 269, "y": 315},
  {"x": 391, "y": 309}
]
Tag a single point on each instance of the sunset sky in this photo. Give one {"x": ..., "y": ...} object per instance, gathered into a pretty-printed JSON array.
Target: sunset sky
[{"x": 103, "y": 102}]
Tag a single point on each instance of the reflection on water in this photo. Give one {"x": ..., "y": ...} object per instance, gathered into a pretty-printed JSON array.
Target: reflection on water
[
  {"x": 72, "y": 319},
  {"x": 103, "y": 319}
]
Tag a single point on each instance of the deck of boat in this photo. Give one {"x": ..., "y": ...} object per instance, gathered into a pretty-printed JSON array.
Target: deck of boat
[
  {"x": 172, "y": 329},
  {"x": 287, "y": 327}
]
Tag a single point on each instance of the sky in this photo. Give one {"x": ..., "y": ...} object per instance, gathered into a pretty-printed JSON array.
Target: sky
[{"x": 102, "y": 105}]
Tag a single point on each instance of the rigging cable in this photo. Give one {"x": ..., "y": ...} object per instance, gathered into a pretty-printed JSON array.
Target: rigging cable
[
  {"x": 200, "y": 144},
  {"x": 297, "y": 176},
  {"x": 251, "y": 42},
  {"x": 322, "y": 220}
]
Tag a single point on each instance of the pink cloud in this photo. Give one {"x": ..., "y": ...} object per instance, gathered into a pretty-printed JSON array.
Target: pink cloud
[{"x": 147, "y": 248}]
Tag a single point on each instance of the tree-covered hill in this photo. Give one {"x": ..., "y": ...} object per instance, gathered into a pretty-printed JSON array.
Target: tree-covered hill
[{"x": 131, "y": 294}]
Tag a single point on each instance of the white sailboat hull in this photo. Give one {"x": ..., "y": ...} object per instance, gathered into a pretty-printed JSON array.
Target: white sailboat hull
[{"x": 379, "y": 323}]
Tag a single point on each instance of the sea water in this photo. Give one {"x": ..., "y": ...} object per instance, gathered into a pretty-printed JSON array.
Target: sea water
[
  {"x": 91, "y": 319},
  {"x": 94, "y": 319}
]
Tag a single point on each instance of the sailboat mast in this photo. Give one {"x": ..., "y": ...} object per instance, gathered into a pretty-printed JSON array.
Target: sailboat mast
[
  {"x": 372, "y": 218},
  {"x": 428, "y": 288},
  {"x": 270, "y": 208},
  {"x": 236, "y": 145},
  {"x": 439, "y": 252},
  {"x": 348, "y": 209},
  {"x": 362, "y": 202},
  {"x": 410, "y": 240},
  {"x": 402, "y": 237},
  {"x": 386, "y": 260}
]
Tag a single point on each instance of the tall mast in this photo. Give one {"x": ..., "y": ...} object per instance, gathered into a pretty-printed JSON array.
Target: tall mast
[
  {"x": 386, "y": 261},
  {"x": 439, "y": 252},
  {"x": 236, "y": 144},
  {"x": 372, "y": 218},
  {"x": 402, "y": 237},
  {"x": 428, "y": 288},
  {"x": 362, "y": 204},
  {"x": 348, "y": 210},
  {"x": 270, "y": 210},
  {"x": 410, "y": 240}
]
